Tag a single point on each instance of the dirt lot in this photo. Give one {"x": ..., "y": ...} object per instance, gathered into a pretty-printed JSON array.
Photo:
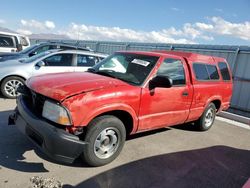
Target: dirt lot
[{"x": 172, "y": 157}]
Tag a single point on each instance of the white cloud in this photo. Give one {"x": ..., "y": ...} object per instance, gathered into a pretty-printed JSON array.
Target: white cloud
[
  {"x": 208, "y": 38},
  {"x": 173, "y": 31},
  {"x": 189, "y": 30},
  {"x": 2, "y": 21},
  {"x": 24, "y": 32},
  {"x": 175, "y": 9},
  {"x": 220, "y": 27},
  {"x": 189, "y": 33},
  {"x": 24, "y": 22},
  {"x": 84, "y": 32},
  {"x": 204, "y": 26},
  {"x": 217, "y": 26},
  {"x": 238, "y": 30},
  {"x": 49, "y": 24},
  {"x": 34, "y": 24}
]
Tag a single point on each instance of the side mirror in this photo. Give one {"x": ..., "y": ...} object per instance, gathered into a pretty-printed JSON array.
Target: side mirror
[
  {"x": 160, "y": 81},
  {"x": 32, "y": 54},
  {"x": 19, "y": 47},
  {"x": 40, "y": 64}
]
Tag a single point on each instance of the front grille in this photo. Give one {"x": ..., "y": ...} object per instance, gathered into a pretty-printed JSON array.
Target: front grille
[
  {"x": 37, "y": 103},
  {"x": 34, "y": 101}
]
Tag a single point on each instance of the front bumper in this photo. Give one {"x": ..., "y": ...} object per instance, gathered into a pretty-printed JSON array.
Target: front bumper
[{"x": 56, "y": 143}]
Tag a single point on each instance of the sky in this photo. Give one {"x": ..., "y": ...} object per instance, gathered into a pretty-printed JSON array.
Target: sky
[{"x": 220, "y": 22}]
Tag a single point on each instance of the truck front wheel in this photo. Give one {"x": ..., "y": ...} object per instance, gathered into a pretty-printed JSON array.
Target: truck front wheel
[
  {"x": 105, "y": 136},
  {"x": 206, "y": 121}
]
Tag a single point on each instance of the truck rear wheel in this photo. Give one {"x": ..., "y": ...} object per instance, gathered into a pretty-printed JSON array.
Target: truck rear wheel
[
  {"x": 105, "y": 136},
  {"x": 206, "y": 121}
]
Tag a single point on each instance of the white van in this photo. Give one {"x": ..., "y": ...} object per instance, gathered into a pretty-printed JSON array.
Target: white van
[{"x": 13, "y": 42}]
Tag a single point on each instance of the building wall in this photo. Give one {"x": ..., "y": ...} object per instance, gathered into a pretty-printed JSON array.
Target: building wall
[{"x": 238, "y": 58}]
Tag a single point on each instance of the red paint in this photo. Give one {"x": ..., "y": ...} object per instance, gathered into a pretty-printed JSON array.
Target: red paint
[
  {"x": 88, "y": 95},
  {"x": 62, "y": 85}
]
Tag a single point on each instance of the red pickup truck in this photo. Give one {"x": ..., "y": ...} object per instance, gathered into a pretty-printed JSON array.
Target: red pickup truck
[{"x": 89, "y": 114}]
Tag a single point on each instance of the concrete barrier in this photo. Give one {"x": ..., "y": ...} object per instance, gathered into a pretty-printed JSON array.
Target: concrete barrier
[{"x": 235, "y": 117}]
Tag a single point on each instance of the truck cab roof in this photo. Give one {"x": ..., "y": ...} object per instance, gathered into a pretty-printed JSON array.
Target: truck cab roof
[{"x": 189, "y": 56}]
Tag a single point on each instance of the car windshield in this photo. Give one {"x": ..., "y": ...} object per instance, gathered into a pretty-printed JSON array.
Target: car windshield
[
  {"x": 128, "y": 67},
  {"x": 35, "y": 57},
  {"x": 28, "y": 50}
]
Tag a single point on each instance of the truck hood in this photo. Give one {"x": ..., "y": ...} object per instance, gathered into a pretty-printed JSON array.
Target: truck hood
[{"x": 60, "y": 86}]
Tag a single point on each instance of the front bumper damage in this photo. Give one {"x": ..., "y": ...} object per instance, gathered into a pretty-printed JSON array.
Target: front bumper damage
[{"x": 54, "y": 142}]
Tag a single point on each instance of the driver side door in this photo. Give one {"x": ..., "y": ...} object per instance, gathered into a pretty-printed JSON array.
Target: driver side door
[{"x": 161, "y": 107}]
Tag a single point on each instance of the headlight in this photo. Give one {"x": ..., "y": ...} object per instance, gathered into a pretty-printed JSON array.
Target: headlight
[{"x": 56, "y": 113}]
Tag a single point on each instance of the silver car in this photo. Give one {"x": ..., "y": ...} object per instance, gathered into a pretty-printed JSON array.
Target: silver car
[{"x": 14, "y": 73}]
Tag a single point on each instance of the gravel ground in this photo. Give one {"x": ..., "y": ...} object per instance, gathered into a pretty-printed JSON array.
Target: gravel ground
[{"x": 40, "y": 182}]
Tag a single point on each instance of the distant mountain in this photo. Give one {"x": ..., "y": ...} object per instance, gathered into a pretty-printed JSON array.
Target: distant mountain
[
  {"x": 6, "y": 30},
  {"x": 49, "y": 36}
]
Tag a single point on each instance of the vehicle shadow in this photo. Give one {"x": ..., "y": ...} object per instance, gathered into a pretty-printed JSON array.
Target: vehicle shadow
[
  {"x": 2, "y": 97},
  {"x": 217, "y": 166},
  {"x": 13, "y": 146},
  {"x": 186, "y": 127},
  {"x": 147, "y": 133},
  {"x": 80, "y": 163}
]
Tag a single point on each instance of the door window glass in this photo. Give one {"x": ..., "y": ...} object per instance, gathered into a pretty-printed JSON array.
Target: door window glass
[
  {"x": 224, "y": 71},
  {"x": 6, "y": 41},
  {"x": 86, "y": 61},
  {"x": 212, "y": 71},
  {"x": 205, "y": 71},
  {"x": 200, "y": 71},
  {"x": 24, "y": 41},
  {"x": 173, "y": 68},
  {"x": 59, "y": 60}
]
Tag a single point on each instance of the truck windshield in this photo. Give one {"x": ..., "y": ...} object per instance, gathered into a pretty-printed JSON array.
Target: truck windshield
[{"x": 128, "y": 67}]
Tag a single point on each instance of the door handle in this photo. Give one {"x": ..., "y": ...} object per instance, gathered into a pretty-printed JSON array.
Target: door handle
[{"x": 184, "y": 93}]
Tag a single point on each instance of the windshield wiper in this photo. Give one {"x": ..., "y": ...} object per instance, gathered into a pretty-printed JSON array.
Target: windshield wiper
[
  {"x": 105, "y": 74},
  {"x": 91, "y": 70}
]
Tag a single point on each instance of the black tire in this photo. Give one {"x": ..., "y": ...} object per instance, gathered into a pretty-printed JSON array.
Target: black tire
[
  {"x": 6, "y": 83},
  {"x": 206, "y": 121},
  {"x": 102, "y": 148}
]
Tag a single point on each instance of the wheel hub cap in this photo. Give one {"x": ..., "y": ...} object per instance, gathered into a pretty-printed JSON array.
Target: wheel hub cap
[
  {"x": 209, "y": 118},
  {"x": 11, "y": 87},
  {"x": 106, "y": 143}
]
